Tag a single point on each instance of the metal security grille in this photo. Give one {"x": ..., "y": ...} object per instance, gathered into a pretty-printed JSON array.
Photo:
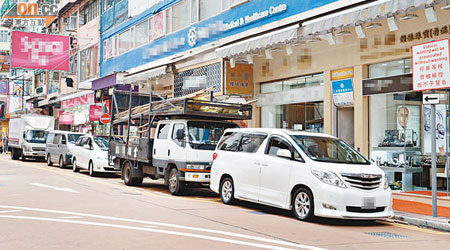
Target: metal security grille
[{"x": 212, "y": 72}]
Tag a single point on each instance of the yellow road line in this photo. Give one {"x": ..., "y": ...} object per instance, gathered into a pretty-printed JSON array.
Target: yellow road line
[
  {"x": 125, "y": 188},
  {"x": 415, "y": 228}
]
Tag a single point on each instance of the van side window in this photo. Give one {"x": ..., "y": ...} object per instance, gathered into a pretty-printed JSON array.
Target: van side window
[
  {"x": 78, "y": 142},
  {"x": 251, "y": 142},
  {"x": 50, "y": 138},
  {"x": 63, "y": 139},
  {"x": 163, "y": 131},
  {"x": 276, "y": 144},
  {"x": 57, "y": 139},
  {"x": 231, "y": 142}
]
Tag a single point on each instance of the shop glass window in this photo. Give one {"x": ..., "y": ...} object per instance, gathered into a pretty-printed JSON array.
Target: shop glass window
[
  {"x": 4, "y": 36},
  {"x": 293, "y": 83},
  {"x": 209, "y": 8},
  {"x": 73, "y": 21},
  {"x": 141, "y": 33},
  {"x": 163, "y": 132},
  {"x": 73, "y": 63},
  {"x": 250, "y": 143},
  {"x": 86, "y": 64},
  {"x": 54, "y": 82},
  {"x": 195, "y": 11},
  {"x": 271, "y": 87},
  {"x": 179, "y": 17},
  {"x": 300, "y": 116},
  {"x": 107, "y": 4},
  {"x": 391, "y": 68},
  {"x": 125, "y": 41},
  {"x": 396, "y": 130}
]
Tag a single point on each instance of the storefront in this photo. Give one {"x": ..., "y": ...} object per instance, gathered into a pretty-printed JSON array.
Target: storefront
[{"x": 74, "y": 112}]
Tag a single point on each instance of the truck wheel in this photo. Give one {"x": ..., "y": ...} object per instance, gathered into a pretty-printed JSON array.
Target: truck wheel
[
  {"x": 61, "y": 162},
  {"x": 22, "y": 156},
  {"x": 49, "y": 161},
  {"x": 128, "y": 178},
  {"x": 14, "y": 154},
  {"x": 74, "y": 166},
  {"x": 175, "y": 186}
]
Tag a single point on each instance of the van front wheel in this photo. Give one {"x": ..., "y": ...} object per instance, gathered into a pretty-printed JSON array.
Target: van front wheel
[
  {"x": 303, "y": 204},
  {"x": 227, "y": 191}
]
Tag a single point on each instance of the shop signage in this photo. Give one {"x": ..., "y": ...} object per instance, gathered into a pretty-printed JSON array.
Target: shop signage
[
  {"x": 389, "y": 84},
  {"x": 247, "y": 19},
  {"x": 425, "y": 34},
  {"x": 5, "y": 67},
  {"x": 65, "y": 118},
  {"x": 431, "y": 67},
  {"x": 343, "y": 92},
  {"x": 95, "y": 112},
  {"x": 82, "y": 100},
  {"x": 342, "y": 74},
  {"x": 239, "y": 80}
]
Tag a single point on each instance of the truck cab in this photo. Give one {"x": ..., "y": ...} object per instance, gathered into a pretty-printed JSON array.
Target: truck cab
[{"x": 184, "y": 149}]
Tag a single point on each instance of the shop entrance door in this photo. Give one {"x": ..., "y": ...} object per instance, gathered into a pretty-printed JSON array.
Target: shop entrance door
[{"x": 346, "y": 125}]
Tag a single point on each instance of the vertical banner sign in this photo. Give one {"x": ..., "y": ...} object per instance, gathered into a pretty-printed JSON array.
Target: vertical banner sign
[
  {"x": 39, "y": 51},
  {"x": 431, "y": 68}
]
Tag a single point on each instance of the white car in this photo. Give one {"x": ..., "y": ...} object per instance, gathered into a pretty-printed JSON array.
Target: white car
[
  {"x": 312, "y": 174},
  {"x": 91, "y": 153}
]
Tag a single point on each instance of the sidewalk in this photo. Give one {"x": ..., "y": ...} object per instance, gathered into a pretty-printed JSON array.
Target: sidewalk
[{"x": 415, "y": 208}]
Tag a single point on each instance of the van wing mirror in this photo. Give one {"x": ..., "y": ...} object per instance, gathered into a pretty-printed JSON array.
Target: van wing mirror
[
  {"x": 180, "y": 134},
  {"x": 24, "y": 135},
  {"x": 284, "y": 153}
]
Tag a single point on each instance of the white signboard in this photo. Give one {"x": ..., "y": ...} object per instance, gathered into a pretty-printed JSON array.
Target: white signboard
[
  {"x": 431, "y": 68},
  {"x": 430, "y": 99}
]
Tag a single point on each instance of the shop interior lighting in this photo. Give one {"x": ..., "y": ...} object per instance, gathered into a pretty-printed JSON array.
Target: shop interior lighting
[
  {"x": 446, "y": 6},
  {"x": 359, "y": 29},
  {"x": 250, "y": 59},
  {"x": 269, "y": 54},
  {"x": 373, "y": 25},
  {"x": 232, "y": 62},
  {"x": 392, "y": 22},
  {"x": 289, "y": 50},
  {"x": 343, "y": 32},
  {"x": 430, "y": 13},
  {"x": 331, "y": 38},
  {"x": 409, "y": 15}
]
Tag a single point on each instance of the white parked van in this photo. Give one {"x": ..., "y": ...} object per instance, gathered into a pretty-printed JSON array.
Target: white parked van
[
  {"x": 59, "y": 147},
  {"x": 312, "y": 174}
]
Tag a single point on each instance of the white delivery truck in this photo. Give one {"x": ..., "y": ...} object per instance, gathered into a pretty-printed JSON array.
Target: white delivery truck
[
  {"x": 28, "y": 135},
  {"x": 181, "y": 150}
]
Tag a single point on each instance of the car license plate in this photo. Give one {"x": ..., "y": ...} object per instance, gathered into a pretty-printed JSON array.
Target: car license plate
[{"x": 369, "y": 203}]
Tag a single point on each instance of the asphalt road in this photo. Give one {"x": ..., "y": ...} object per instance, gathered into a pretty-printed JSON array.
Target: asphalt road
[{"x": 52, "y": 208}]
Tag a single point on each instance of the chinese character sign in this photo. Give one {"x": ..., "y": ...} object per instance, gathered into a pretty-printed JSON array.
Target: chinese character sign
[
  {"x": 343, "y": 92},
  {"x": 431, "y": 68},
  {"x": 40, "y": 51}
]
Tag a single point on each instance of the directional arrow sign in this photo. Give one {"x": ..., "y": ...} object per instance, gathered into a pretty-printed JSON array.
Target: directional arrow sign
[
  {"x": 55, "y": 188},
  {"x": 430, "y": 98}
]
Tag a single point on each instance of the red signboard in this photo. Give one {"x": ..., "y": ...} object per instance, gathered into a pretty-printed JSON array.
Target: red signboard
[
  {"x": 95, "y": 112},
  {"x": 39, "y": 51},
  {"x": 65, "y": 118},
  {"x": 105, "y": 118},
  {"x": 82, "y": 100}
]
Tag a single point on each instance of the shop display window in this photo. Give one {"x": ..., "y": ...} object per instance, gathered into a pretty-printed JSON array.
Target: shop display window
[
  {"x": 391, "y": 68},
  {"x": 293, "y": 83},
  {"x": 301, "y": 116}
]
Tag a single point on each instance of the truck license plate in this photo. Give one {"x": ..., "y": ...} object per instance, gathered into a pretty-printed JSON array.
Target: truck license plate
[{"x": 369, "y": 203}]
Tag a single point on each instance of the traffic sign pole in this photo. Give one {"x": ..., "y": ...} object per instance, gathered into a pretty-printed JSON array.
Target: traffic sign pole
[{"x": 433, "y": 160}]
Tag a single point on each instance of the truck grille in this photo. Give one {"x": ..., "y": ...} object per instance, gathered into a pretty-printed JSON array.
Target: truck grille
[
  {"x": 38, "y": 149},
  {"x": 363, "y": 181}
]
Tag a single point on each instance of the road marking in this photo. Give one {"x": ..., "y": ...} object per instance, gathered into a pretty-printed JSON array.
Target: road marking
[
  {"x": 10, "y": 211},
  {"x": 55, "y": 188},
  {"x": 150, "y": 226},
  {"x": 415, "y": 228},
  {"x": 70, "y": 217},
  {"x": 238, "y": 235},
  {"x": 199, "y": 236}
]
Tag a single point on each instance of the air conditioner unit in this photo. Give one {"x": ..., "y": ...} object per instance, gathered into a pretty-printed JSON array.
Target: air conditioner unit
[{"x": 40, "y": 91}]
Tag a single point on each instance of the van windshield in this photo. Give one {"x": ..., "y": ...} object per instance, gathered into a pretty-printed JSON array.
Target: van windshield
[
  {"x": 36, "y": 136},
  {"x": 206, "y": 135},
  {"x": 329, "y": 150},
  {"x": 101, "y": 142},
  {"x": 72, "y": 138}
]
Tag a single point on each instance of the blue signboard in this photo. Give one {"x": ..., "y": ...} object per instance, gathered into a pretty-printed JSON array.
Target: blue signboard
[
  {"x": 234, "y": 21},
  {"x": 343, "y": 92}
]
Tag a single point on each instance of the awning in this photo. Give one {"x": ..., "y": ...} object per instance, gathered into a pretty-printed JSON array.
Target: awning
[
  {"x": 48, "y": 101},
  {"x": 75, "y": 95},
  {"x": 146, "y": 75},
  {"x": 363, "y": 13},
  {"x": 259, "y": 42}
]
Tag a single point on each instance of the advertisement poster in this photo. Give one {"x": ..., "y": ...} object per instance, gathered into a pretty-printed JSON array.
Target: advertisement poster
[
  {"x": 157, "y": 23},
  {"x": 408, "y": 124},
  {"x": 39, "y": 51},
  {"x": 15, "y": 96},
  {"x": 440, "y": 128},
  {"x": 65, "y": 118},
  {"x": 82, "y": 100},
  {"x": 239, "y": 80},
  {"x": 94, "y": 113},
  {"x": 343, "y": 92}
]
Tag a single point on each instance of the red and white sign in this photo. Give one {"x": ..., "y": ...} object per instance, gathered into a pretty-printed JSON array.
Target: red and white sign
[
  {"x": 105, "y": 118},
  {"x": 95, "y": 113},
  {"x": 431, "y": 67},
  {"x": 82, "y": 100},
  {"x": 65, "y": 118},
  {"x": 40, "y": 51}
]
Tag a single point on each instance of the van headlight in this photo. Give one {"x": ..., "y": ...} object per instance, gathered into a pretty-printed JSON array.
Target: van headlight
[
  {"x": 386, "y": 181},
  {"x": 328, "y": 177},
  {"x": 197, "y": 166}
]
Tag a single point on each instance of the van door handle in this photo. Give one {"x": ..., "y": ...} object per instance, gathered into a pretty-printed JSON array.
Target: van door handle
[
  {"x": 168, "y": 152},
  {"x": 264, "y": 164},
  {"x": 154, "y": 151},
  {"x": 257, "y": 163}
]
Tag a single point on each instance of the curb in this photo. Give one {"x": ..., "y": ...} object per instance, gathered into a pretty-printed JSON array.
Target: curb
[{"x": 422, "y": 223}]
